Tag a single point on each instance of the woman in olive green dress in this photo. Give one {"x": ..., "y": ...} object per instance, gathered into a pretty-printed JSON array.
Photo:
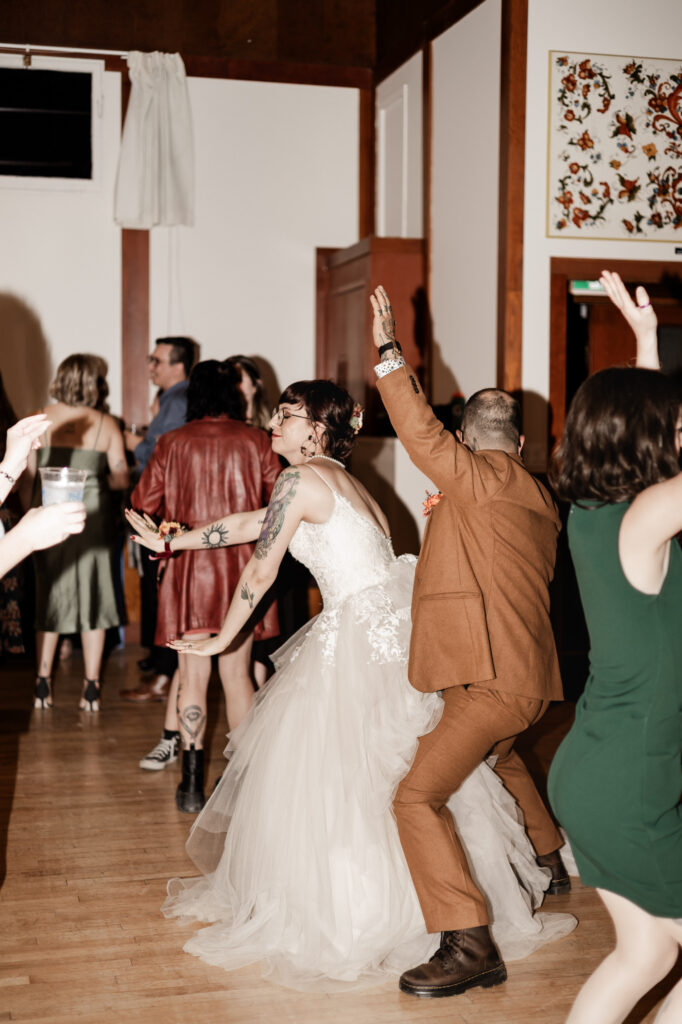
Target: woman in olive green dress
[
  {"x": 75, "y": 590},
  {"x": 616, "y": 780}
]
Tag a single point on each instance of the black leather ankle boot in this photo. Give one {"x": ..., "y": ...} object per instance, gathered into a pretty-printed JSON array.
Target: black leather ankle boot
[
  {"x": 189, "y": 796},
  {"x": 466, "y": 958}
]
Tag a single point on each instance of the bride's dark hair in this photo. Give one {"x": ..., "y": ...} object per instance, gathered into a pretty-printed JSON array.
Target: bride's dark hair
[{"x": 326, "y": 403}]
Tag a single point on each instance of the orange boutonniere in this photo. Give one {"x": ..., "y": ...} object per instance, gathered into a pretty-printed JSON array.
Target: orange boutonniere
[{"x": 430, "y": 502}]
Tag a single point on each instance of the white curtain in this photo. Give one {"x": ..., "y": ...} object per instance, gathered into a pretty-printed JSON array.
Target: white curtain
[{"x": 155, "y": 179}]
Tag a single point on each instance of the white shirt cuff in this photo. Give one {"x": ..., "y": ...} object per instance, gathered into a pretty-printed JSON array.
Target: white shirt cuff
[{"x": 388, "y": 365}]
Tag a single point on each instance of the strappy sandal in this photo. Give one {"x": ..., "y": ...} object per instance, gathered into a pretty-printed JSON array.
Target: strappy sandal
[
  {"x": 90, "y": 701},
  {"x": 42, "y": 695}
]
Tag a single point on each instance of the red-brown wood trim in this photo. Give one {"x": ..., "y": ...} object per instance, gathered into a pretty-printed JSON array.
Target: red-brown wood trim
[
  {"x": 278, "y": 71},
  {"x": 289, "y": 72},
  {"x": 558, "y": 308},
  {"x": 135, "y": 324},
  {"x": 322, "y": 257},
  {"x": 510, "y": 220},
  {"x": 367, "y": 161},
  {"x": 427, "y": 175}
]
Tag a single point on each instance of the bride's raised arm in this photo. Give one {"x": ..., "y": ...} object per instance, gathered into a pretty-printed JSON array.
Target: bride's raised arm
[
  {"x": 239, "y": 528},
  {"x": 285, "y": 511}
]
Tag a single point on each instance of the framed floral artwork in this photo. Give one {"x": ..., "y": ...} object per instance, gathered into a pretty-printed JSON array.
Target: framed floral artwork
[{"x": 615, "y": 147}]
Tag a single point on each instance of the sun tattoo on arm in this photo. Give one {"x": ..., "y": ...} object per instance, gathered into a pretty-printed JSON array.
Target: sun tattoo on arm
[
  {"x": 215, "y": 536},
  {"x": 282, "y": 495}
]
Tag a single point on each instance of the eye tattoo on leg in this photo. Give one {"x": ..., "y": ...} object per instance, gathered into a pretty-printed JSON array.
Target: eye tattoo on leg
[
  {"x": 192, "y": 720},
  {"x": 215, "y": 536},
  {"x": 282, "y": 495},
  {"x": 247, "y": 595}
]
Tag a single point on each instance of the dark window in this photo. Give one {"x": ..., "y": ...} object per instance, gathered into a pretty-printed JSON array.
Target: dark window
[{"x": 45, "y": 123}]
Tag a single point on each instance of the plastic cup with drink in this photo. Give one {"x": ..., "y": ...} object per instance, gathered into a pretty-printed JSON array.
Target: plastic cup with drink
[{"x": 60, "y": 483}]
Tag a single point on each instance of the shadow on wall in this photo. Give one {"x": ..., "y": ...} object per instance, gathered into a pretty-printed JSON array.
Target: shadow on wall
[
  {"x": 444, "y": 383},
  {"x": 373, "y": 463},
  {"x": 24, "y": 356},
  {"x": 537, "y": 425}
]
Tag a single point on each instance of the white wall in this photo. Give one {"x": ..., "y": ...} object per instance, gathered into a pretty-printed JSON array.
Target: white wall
[
  {"x": 60, "y": 273},
  {"x": 653, "y": 30},
  {"x": 464, "y": 207},
  {"x": 277, "y": 175},
  {"x": 399, "y": 143}
]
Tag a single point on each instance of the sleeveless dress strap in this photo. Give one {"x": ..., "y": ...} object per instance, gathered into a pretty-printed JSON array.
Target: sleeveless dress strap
[
  {"x": 317, "y": 473},
  {"x": 99, "y": 428}
]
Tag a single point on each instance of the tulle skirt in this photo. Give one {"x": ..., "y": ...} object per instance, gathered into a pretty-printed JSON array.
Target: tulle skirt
[{"x": 302, "y": 868}]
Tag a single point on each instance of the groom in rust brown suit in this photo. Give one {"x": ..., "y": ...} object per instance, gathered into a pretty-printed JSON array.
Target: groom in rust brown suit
[{"x": 481, "y": 634}]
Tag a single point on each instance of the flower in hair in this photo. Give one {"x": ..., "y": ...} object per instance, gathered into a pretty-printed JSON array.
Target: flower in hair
[{"x": 356, "y": 418}]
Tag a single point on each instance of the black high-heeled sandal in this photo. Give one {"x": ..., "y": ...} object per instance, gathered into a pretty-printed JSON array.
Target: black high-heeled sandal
[
  {"x": 42, "y": 695},
  {"x": 90, "y": 701}
]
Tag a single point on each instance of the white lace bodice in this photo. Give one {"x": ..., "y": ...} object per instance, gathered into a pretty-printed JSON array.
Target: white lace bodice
[{"x": 346, "y": 554}]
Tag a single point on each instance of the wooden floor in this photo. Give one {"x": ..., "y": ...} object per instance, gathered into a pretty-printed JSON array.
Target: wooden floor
[{"x": 87, "y": 842}]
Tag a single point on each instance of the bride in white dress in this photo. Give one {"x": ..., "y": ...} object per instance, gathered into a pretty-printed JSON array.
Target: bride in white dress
[{"x": 302, "y": 868}]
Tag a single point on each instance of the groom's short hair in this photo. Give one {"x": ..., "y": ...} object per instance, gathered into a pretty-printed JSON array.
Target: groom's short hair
[{"x": 492, "y": 419}]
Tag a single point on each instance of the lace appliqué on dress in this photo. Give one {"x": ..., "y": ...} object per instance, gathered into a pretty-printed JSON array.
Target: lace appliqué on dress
[{"x": 383, "y": 626}]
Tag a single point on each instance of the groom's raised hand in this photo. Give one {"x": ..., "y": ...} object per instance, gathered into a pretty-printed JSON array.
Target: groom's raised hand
[{"x": 383, "y": 325}]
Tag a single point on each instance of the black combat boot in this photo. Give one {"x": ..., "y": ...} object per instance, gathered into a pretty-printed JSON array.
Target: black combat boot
[
  {"x": 559, "y": 882},
  {"x": 189, "y": 796},
  {"x": 464, "y": 959}
]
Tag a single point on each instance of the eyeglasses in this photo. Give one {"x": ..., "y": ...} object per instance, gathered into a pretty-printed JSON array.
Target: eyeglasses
[
  {"x": 155, "y": 361},
  {"x": 280, "y": 415}
]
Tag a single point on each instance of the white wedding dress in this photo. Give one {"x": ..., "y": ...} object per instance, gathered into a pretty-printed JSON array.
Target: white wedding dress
[{"x": 301, "y": 861}]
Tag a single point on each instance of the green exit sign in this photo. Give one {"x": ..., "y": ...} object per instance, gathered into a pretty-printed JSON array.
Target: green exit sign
[{"x": 585, "y": 288}]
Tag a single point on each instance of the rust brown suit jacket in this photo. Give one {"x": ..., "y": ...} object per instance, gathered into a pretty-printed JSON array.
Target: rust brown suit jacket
[{"x": 480, "y": 608}]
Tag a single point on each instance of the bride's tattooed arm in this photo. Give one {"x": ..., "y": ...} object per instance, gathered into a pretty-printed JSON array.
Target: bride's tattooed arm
[{"x": 282, "y": 496}]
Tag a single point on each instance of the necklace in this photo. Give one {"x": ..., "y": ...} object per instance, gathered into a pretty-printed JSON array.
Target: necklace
[{"x": 329, "y": 459}]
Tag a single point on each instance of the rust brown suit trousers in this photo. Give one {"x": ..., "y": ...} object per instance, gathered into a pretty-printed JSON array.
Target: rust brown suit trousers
[{"x": 481, "y": 633}]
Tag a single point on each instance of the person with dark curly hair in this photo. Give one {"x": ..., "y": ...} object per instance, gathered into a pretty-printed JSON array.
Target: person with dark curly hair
[
  {"x": 616, "y": 779},
  {"x": 298, "y": 843}
]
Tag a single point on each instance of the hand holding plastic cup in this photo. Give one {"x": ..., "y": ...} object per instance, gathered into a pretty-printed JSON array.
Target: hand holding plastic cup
[{"x": 62, "y": 484}]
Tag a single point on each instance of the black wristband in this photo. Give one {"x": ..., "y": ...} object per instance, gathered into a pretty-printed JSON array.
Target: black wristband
[{"x": 390, "y": 344}]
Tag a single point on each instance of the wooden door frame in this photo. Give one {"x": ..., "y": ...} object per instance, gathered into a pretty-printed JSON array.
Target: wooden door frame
[{"x": 562, "y": 270}]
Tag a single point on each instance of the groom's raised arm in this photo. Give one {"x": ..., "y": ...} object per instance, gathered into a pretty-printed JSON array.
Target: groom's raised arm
[{"x": 432, "y": 448}]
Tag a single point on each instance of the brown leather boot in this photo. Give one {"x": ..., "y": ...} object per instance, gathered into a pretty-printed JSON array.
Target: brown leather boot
[
  {"x": 155, "y": 691},
  {"x": 559, "y": 882},
  {"x": 465, "y": 958}
]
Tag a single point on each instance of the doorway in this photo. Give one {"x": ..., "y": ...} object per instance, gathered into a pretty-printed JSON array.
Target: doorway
[{"x": 587, "y": 333}]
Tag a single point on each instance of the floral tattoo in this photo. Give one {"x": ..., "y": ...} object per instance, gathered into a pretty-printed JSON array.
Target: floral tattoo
[
  {"x": 282, "y": 495},
  {"x": 215, "y": 536},
  {"x": 247, "y": 594}
]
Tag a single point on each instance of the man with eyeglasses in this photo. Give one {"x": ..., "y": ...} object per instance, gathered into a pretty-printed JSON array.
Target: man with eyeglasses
[{"x": 169, "y": 367}]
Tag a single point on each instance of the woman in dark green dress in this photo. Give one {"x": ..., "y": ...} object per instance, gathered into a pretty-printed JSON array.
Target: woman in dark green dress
[
  {"x": 616, "y": 781},
  {"x": 75, "y": 591}
]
